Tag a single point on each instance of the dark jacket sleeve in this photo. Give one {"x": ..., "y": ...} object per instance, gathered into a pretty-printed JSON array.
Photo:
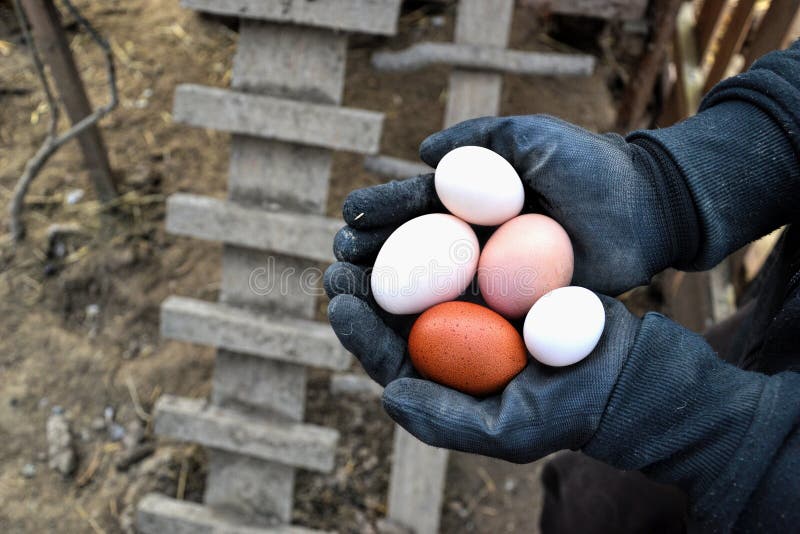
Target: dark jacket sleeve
[
  {"x": 739, "y": 156},
  {"x": 727, "y": 436}
]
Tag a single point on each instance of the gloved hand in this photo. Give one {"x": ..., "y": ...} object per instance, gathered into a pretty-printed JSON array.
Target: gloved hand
[
  {"x": 652, "y": 397},
  {"x": 542, "y": 410},
  {"x": 626, "y": 218}
]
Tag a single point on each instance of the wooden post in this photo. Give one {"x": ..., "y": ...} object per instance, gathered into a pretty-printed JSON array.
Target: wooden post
[
  {"x": 708, "y": 23},
  {"x": 640, "y": 89},
  {"x": 416, "y": 488},
  {"x": 776, "y": 29},
  {"x": 731, "y": 42},
  {"x": 52, "y": 44}
]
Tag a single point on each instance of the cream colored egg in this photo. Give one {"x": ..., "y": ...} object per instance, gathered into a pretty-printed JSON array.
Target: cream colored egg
[
  {"x": 427, "y": 260},
  {"x": 479, "y": 186},
  {"x": 564, "y": 326}
]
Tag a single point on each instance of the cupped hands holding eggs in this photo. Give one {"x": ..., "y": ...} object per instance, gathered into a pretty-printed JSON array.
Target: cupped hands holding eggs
[{"x": 524, "y": 269}]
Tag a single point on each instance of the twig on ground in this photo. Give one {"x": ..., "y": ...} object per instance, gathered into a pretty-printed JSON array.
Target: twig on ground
[
  {"x": 137, "y": 405},
  {"x": 86, "y": 477},
  {"x": 53, "y": 141}
]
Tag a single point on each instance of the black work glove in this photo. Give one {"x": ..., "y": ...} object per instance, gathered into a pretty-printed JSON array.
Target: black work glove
[
  {"x": 652, "y": 396},
  {"x": 542, "y": 410},
  {"x": 627, "y": 220}
]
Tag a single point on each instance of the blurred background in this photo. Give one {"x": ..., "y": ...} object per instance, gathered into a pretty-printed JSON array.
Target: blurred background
[{"x": 80, "y": 294}]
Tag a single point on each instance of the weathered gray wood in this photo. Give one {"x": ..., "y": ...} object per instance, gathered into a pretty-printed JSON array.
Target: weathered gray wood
[
  {"x": 473, "y": 94},
  {"x": 365, "y": 16},
  {"x": 290, "y": 62},
  {"x": 282, "y": 119},
  {"x": 159, "y": 514},
  {"x": 292, "y": 340},
  {"x": 304, "y": 236},
  {"x": 301, "y": 63},
  {"x": 250, "y": 276},
  {"x": 354, "y": 384},
  {"x": 485, "y": 58},
  {"x": 604, "y": 9},
  {"x": 418, "y": 470},
  {"x": 484, "y": 23},
  {"x": 273, "y": 173},
  {"x": 293, "y": 444},
  {"x": 263, "y": 389},
  {"x": 250, "y": 489},
  {"x": 417, "y": 484},
  {"x": 780, "y": 25},
  {"x": 395, "y": 167},
  {"x": 470, "y": 91}
]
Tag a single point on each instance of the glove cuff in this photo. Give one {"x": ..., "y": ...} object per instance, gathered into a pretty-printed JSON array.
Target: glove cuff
[
  {"x": 741, "y": 171},
  {"x": 683, "y": 416},
  {"x": 680, "y": 235}
]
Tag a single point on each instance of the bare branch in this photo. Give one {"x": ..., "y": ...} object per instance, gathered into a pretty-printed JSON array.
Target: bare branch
[{"x": 53, "y": 142}]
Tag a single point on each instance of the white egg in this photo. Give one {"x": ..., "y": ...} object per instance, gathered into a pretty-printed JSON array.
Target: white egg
[
  {"x": 428, "y": 260},
  {"x": 479, "y": 186},
  {"x": 564, "y": 326}
]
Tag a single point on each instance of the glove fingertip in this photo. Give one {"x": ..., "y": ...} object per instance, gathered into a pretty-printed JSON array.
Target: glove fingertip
[
  {"x": 433, "y": 148},
  {"x": 353, "y": 209},
  {"x": 342, "y": 278}
]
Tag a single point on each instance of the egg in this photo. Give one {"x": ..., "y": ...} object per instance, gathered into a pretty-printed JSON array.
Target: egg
[
  {"x": 466, "y": 347},
  {"x": 524, "y": 259},
  {"x": 427, "y": 260},
  {"x": 479, "y": 186},
  {"x": 564, "y": 326}
]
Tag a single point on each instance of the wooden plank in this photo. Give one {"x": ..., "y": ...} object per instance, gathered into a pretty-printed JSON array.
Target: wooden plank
[
  {"x": 291, "y": 62},
  {"x": 471, "y": 91},
  {"x": 689, "y": 81},
  {"x": 252, "y": 490},
  {"x": 395, "y": 167},
  {"x": 731, "y": 42},
  {"x": 484, "y": 23},
  {"x": 417, "y": 485},
  {"x": 640, "y": 89},
  {"x": 775, "y": 29},
  {"x": 604, "y": 9},
  {"x": 687, "y": 299},
  {"x": 52, "y": 43},
  {"x": 303, "y": 64},
  {"x": 158, "y": 514},
  {"x": 326, "y": 126},
  {"x": 293, "y": 444},
  {"x": 276, "y": 174},
  {"x": 355, "y": 384},
  {"x": 248, "y": 278},
  {"x": 365, "y": 16},
  {"x": 484, "y": 58},
  {"x": 473, "y": 94},
  {"x": 292, "y": 340},
  {"x": 303, "y": 236},
  {"x": 418, "y": 470},
  {"x": 268, "y": 389},
  {"x": 708, "y": 22}
]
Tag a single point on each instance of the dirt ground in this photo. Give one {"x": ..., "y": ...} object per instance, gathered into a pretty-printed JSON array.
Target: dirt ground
[{"x": 79, "y": 316}]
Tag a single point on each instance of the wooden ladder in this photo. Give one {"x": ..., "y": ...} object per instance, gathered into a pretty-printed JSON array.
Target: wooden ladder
[{"x": 283, "y": 109}]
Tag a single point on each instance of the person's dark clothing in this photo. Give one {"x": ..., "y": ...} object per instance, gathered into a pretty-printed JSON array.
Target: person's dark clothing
[{"x": 739, "y": 459}]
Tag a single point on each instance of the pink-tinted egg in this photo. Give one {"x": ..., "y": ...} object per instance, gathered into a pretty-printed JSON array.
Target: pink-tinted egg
[{"x": 525, "y": 258}]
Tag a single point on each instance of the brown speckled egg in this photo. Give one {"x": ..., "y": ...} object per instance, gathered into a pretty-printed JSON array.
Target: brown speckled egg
[{"x": 466, "y": 347}]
